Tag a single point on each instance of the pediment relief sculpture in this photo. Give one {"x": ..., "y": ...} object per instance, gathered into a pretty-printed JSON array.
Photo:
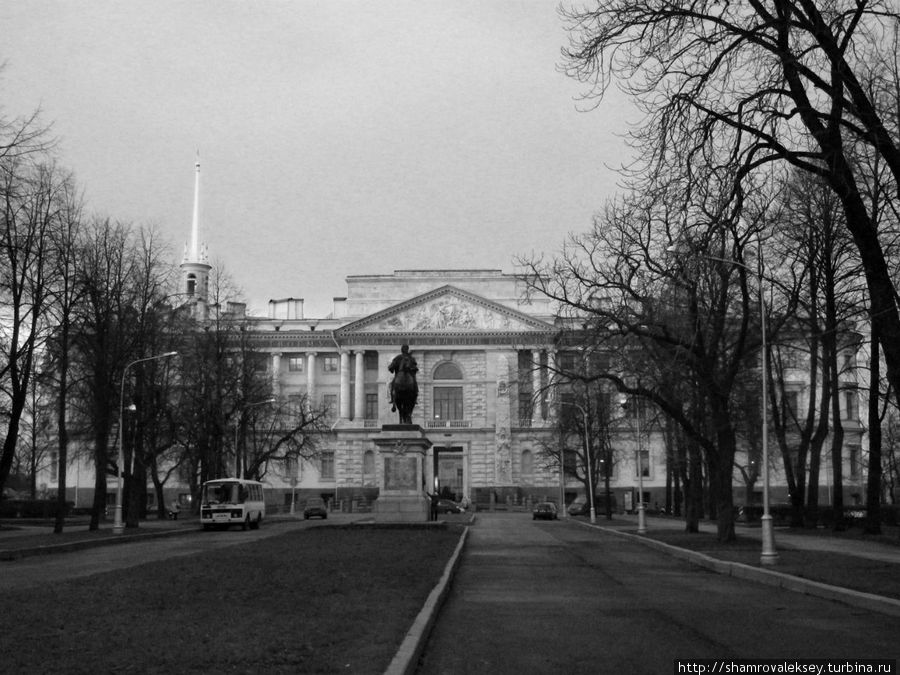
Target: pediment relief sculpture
[{"x": 450, "y": 313}]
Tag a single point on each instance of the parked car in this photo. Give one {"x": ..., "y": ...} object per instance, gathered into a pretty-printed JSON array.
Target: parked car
[
  {"x": 448, "y": 506},
  {"x": 545, "y": 511},
  {"x": 580, "y": 507},
  {"x": 315, "y": 508}
]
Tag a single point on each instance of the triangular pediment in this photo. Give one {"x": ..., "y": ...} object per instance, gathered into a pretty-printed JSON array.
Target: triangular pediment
[{"x": 447, "y": 310}]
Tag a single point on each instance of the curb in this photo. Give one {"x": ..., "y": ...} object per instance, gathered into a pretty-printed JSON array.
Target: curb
[
  {"x": 17, "y": 553},
  {"x": 406, "y": 659},
  {"x": 869, "y": 601}
]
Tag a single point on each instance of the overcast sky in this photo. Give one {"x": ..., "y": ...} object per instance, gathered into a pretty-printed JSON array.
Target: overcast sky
[{"x": 335, "y": 138}]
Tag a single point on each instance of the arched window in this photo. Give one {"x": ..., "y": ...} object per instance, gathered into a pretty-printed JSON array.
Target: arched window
[
  {"x": 448, "y": 400},
  {"x": 191, "y": 284},
  {"x": 527, "y": 466}
]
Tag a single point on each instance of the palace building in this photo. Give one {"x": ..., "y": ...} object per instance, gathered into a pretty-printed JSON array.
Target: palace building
[
  {"x": 485, "y": 352},
  {"x": 482, "y": 353}
]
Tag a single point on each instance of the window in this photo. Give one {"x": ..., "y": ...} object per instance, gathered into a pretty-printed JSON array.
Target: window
[
  {"x": 567, "y": 362},
  {"x": 371, "y": 412},
  {"x": 289, "y": 467},
  {"x": 54, "y": 466},
  {"x": 329, "y": 402},
  {"x": 370, "y": 360},
  {"x": 791, "y": 404},
  {"x": 329, "y": 364},
  {"x": 854, "y": 451},
  {"x": 526, "y": 408},
  {"x": 448, "y": 403},
  {"x": 191, "y": 284},
  {"x": 527, "y": 466},
  {"x": 326, "y": 466},
  {"x": 259, "y": 362},
  {"x": 606, "y": 464},
  {"x": 645, "y": 463},
  {"x": 296, "y": 364},
  {"x": 569, "y": 414},
  {"x": 851, "y": 405},
  {"x": 848, "y": 364},
  {"x": 294, "y": 406}
]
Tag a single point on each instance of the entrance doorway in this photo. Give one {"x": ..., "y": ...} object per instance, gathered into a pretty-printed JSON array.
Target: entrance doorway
[{"x": 448, "y": 472}]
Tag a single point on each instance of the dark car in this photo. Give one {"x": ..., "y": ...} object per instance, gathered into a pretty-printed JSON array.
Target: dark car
[
  {"x": 544, "y": 510},
  {"x": 582, "y": 508},
  {"x": 315, "y": 508},
  {"x": 447, "y": 506}
]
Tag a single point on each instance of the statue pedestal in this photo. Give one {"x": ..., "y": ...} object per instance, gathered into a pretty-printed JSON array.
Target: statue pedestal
[{"x": 402, "y": 498}]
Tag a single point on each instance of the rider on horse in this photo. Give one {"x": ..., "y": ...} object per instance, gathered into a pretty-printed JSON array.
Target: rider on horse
[{"x": 404, "y": 362}]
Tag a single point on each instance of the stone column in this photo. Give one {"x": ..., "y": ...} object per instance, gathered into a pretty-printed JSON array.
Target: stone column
[
  {"x": 551, "y": 384},
  {"x": 359, "y": 399},
  {"x": 503, "y": 456},
  {"x": 345, "y": 385},
  {"x": 536, "y": 386},
  {"x": 276, "y": 371},
  {"x": 311, "y": 379}
]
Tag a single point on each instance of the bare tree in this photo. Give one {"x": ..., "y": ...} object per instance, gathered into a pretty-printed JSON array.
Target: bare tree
[
  {"x": 786, "y": 80},
  {"x": 30, "y": 199},
  {"x": 282, "y": 434},
  {"x": 104, "y": 341},
  {"x": 65, "y": 293}
]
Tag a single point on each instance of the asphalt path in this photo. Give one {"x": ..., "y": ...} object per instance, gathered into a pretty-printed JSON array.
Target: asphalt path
[
  {"x": 559, "y": 597},
  {"x": 39, "y": 570}
]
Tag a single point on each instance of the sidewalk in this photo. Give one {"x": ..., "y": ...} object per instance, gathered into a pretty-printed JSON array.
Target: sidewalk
[{"x": 814, "y": 540}]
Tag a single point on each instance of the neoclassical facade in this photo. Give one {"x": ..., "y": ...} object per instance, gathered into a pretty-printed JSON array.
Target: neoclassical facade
[{"x": 482, "y": 353}]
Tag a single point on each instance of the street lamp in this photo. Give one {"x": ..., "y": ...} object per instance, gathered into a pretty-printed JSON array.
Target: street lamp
[
  {"x": 562, "y": 481},
  {"x": 237, "y": 426},
  {"x": 118, "y": 525},
  {"x": 587, "y": 455},
  {"x": 769, "y": 555},
  {"x": 639, "y": 465}
]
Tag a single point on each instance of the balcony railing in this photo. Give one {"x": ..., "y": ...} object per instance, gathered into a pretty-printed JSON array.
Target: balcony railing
[{"x": 448, "y": 424}]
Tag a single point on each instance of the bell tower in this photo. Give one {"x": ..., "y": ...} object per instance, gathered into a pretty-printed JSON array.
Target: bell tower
[{"x": 195, "y": 266}]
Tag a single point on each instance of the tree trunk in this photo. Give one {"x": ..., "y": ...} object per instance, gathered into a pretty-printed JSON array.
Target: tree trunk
[
  {"x": 873, "y": 481},
  {"x": 693, "y": 482}
]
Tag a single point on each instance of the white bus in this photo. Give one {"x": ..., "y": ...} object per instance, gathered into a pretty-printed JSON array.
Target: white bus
[{"x": 232, "y": 501}]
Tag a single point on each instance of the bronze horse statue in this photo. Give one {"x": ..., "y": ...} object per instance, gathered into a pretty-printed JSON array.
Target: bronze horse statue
[
  {"x": 405, "y": 395},
  {"x": 404, "y": 388}
]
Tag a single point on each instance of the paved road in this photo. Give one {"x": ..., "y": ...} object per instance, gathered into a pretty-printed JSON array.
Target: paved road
[
  {"x": 554, "y": 597},
  {"x": 38, "y": 570}
]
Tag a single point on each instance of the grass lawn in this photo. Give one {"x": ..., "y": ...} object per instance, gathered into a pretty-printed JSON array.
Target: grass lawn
[
  {"x": 320, "y": 600},
  {"x": 868, "y": 576}
]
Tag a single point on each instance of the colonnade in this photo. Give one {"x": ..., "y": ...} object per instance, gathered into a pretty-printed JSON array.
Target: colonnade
[{"x": 358, "y": 393}]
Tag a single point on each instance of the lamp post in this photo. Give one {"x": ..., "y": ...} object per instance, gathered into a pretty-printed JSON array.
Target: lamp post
[
  {"x": 118, "y": 525},
  {"x": 769, "y": 555},
  {"x": 562, "y": 481},
  {"x": 587, "y": 456},
  {"x": 639, "y": 465},
  {"x": 237, "y": 427}
]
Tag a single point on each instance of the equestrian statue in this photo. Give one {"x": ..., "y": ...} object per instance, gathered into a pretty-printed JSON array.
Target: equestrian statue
[{"x": 404, "y": 388}]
